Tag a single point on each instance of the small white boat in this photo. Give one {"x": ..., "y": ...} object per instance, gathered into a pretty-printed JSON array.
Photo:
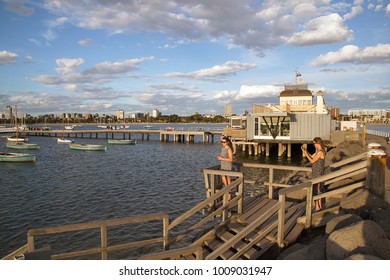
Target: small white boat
[
  {"x": 88, "y": 147},
  {"x": 15, "y": 138},
  {"x": 122, "y": 142},
  {"x": 64, "y": 141},
  {"x": 69, "y": 127}
]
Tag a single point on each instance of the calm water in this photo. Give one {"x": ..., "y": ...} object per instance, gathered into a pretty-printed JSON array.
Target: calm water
[{"x": 68, "y": 186}]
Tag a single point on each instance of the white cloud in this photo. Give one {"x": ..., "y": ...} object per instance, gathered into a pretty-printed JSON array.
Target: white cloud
[
  {"x": 255, "y": 26},
  {"x": 67, "y": 65},
  {"x": 322, "y": 30},
  {"x": 118, "y": 67},
  {"x": 85, "y": 42},
  {"x": 355, "y": 10},
  {"x": 388, "y": 10},
  {"x": 7, "y": 57},
  {"x": 353, "y": 54},
  {"x": 216, "y": 72},
  {"x": 258, "y": 91}
]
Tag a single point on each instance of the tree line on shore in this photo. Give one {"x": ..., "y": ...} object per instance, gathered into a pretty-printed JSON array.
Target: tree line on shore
[{"x": 195, "y": 118}]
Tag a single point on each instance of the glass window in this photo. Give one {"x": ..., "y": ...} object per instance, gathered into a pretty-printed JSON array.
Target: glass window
[{"x": 285, "y": 129}]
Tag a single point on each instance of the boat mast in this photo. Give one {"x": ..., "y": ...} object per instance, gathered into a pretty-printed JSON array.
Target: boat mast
[{"x": 16, "y": 123}]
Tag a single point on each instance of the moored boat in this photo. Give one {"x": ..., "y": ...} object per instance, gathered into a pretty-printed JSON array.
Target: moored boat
[
  {"x": 22, "y": 145},
  {"x": 69, "y": 127},
  {"x": 64, "y": 141},
  {"x": 87, "y": 147},
  {"x": 122, "y": 142},
  {"x": 16, "y": 138},
  {"x": 17, "y": 157}
]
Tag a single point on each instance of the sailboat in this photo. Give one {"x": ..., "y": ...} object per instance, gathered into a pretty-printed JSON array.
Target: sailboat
[
  {"x": 16, "y": 138},
  {"x": 22, "y": 146},
  {"x": 148, "y": 126}
]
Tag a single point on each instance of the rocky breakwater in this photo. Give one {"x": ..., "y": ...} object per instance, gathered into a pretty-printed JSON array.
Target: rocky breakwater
[{"x": 361, "y": 231}]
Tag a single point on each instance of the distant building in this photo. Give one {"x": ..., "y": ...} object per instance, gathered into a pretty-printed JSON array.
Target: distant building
[
  {"x": 120, "y": 114},
  {"x": 8, "y": 112},
  {"x": 156, "y": 113},
  {"x": 334, "y": 112},
  {"x": 368, "y": 112},
  {"x": 228, "y": 109},
  {"x": 136, "y": 115}
]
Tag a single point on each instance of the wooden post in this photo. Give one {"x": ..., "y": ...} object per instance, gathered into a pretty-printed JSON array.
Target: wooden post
[
  {"x": 280, "y": 149},
  {"x": 376, "y": 170},
  {"x": 103, "y": 237},
  {"x": 364, "y": 133},
  {"x": 289, "y": 150},
  {"x": 270, "y": 181},
  {"x": 309, "y": 203},
  {"x": 166, "y": 232},
  {"x": 281, "y": 217}
]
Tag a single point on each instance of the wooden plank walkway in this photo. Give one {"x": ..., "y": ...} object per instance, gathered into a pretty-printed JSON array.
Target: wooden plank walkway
[{"x": 253, "y": 237}]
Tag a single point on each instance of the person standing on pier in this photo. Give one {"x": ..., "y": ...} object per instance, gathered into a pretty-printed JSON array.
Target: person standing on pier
[
  {"x": 226, "y": 158},
  {"x": 318, "y": 166}
]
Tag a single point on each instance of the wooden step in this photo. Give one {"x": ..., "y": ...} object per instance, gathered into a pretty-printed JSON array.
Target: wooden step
[{"x": 215, "y": 244}]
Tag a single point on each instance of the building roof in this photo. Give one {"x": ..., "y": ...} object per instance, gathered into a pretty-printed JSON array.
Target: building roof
[{"x": 297, "y": 92}]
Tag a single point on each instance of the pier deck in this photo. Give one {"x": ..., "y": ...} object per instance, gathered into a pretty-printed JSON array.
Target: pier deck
[{"x": 144, "y": 134}]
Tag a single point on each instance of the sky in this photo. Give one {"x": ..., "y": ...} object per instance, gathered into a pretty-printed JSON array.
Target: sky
[{"x": 190, "y": 56}]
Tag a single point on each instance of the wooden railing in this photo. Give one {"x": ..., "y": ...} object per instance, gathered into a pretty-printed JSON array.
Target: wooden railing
[
  {"x": 350, "y": 167},
  {"x": 103, "y": 249},
  {"x": 271, "y": 171},
  {"x": 217, "y": 203}
]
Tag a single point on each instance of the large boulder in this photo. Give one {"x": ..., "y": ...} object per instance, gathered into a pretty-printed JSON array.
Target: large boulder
[
  {"x": 364, "y": 237},
  {"x": 340, "y": 222},
  {"x": 382, "y": 217},
  {"x": 362, "y": 202},
  {"x": 315, "y": 250}
]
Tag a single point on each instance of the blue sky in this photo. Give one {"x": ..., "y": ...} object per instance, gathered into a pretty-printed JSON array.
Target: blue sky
[{"x": 187, "y": 56}]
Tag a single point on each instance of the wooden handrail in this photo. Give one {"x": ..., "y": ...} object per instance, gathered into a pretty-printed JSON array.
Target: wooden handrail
[
  {"x": 348, "y": 160},
  {"x": 271, "y": 184},
  {"x": 102, "y": 225},
  {"x": 221, "y": 193},
  {"x": 335, "y": 176}
]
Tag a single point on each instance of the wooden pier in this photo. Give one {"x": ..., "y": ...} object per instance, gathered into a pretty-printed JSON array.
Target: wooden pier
[
  {"x": 144, "y": 134},
  {"x": 233, "y": 225}
]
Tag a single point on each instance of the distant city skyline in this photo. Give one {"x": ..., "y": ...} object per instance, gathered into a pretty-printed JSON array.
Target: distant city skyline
[{"x": 190, "y": 56}]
